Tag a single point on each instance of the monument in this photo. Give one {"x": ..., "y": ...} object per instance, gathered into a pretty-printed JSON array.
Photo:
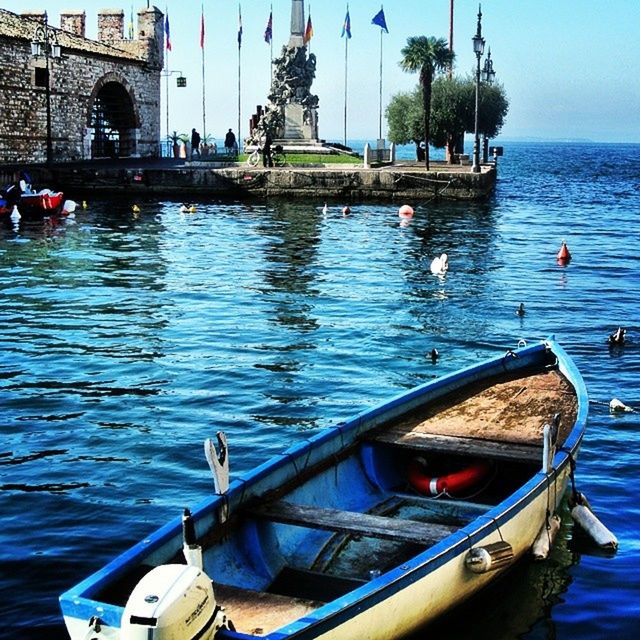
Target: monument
[{"x": 291, "y": 114}]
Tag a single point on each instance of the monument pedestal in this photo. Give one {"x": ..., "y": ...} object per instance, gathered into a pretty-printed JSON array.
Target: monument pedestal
[{"x": 295, "y": 127}]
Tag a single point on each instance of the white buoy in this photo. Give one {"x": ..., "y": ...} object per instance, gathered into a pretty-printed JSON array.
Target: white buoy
[
  {"x": 68, "y": 207},
  {"x": 15, "y": 215},
  {"x": 593, "y": 527},
  {"x": 545, "y": 538},
  {"x": 616, "y": 406}
]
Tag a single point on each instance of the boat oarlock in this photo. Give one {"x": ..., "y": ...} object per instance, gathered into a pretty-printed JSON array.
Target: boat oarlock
[{"x": 451, "y": 483}]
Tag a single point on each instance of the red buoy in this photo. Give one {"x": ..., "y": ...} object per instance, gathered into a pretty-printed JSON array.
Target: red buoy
[
  {"x": 405, "y": 211},
  {"x": 564, "y": 255},
  {"x": 451, "y": 483}
]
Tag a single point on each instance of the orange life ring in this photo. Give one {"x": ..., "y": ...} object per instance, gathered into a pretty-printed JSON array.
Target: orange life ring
[{"x": 451, "y": 483}]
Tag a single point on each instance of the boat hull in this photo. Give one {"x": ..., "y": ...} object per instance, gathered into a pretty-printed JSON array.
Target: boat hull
[
  {"x": 42, "y": 204},
  {"x": 344, "y": 472}
]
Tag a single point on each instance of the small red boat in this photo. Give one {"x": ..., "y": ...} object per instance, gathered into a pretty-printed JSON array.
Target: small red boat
[{"x": 43, "y": 203}]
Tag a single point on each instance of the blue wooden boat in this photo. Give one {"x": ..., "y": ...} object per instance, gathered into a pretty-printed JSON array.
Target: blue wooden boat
[{"x": 371, "y": 528}]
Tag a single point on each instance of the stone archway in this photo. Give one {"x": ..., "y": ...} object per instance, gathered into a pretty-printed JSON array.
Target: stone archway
[{"x": 112, "y": 119}]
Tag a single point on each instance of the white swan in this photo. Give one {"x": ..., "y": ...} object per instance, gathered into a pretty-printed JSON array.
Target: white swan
[{"x": 440, "y": 264}]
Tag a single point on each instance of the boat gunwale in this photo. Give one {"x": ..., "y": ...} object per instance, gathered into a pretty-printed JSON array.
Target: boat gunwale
[{"x": 240, "y": 492}]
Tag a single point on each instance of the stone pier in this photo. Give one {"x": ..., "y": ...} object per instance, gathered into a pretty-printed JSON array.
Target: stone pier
[{"x": 345, "y": 183}]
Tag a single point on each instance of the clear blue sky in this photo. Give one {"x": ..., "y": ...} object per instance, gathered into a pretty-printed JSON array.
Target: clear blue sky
[{"x": 569, "y": 67}]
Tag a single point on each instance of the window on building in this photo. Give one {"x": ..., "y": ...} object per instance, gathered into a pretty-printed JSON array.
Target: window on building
[{"x": 41, "y": 77}]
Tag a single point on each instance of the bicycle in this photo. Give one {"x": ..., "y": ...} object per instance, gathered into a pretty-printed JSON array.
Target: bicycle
[{"x": 278, "y": 157}]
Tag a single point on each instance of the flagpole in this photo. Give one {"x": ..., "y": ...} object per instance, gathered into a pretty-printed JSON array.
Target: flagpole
[
  {"x": 380, "y": 126},
  {"x": 346, "y": 49},
  {"x": 204, "y": 107},
  {"x": 167, "y": 100},
  {"x": 239, "y": 67},
  {"x": 167, "y": 48}
]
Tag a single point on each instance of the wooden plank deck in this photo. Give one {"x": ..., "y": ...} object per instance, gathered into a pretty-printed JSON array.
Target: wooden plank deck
[
  {"x": 496, "y": 420},
  {"x": 257, "y": 613},
  {"x": 353, "y": 522}
]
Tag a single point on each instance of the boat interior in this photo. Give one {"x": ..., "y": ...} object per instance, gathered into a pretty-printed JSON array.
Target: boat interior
[{"x": 358, "y": 515}]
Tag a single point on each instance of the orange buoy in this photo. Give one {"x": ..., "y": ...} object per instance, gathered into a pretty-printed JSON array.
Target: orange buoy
[
  {"x": 405, "y": 211},
  {"x": 564, "y": 255},
  {"x": 451, "y": 483}
]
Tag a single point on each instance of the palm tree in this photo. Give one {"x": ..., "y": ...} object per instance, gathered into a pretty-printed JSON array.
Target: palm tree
[{"x": 429, "y": 56}]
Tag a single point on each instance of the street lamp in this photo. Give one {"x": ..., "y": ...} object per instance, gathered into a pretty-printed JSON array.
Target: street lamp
[
  {"x": 478, "y": 49},
  {"x": 181, "y": 82},
  {"x": 45, "y": 42},
  {"x": 488, "y": 76}
]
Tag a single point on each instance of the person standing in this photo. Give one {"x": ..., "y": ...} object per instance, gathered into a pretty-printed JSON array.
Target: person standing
[
  {"x": 267, "y": 158},
  {"x": 230, "y": 142},
  {"x": 195, "y": 143}
]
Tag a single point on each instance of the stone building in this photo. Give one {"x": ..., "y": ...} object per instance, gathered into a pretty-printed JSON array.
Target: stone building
[{"x": 103, "y": 95}]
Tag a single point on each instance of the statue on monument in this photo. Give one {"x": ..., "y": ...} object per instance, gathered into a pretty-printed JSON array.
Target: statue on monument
[{"x": 292, "y": 110}]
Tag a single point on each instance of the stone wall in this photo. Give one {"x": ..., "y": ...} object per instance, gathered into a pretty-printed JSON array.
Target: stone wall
[
  {"x": 75, "y": 79},
  {"x": 347, "y": 184}
]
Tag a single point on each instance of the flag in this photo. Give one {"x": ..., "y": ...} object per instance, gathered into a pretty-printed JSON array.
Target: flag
[
  {"x": 346, "y": 27},
  {"x": 379, "y": 20},
  {"x": 239, "y": 26},
  {"x": 202, "y": 28},
  {"x": 167, "y": 33},
  {"x": 268, "y": 33},
  {"x": 308, "y": 32}
]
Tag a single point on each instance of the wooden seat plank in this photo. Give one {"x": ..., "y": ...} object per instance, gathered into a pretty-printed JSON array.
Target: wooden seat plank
[
  {"x": 472, "y": 447},
  {"x": 353, "y": 522}
]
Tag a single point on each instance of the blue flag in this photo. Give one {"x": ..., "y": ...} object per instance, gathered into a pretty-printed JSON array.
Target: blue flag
[
  {"x": 346, "y": 27},
  {"x": 379, "y": 20},
  {"x": 268, "y": 33}
]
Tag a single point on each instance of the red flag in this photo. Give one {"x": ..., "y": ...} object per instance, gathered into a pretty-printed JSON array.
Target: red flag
[{"x": 202, "y": 29}]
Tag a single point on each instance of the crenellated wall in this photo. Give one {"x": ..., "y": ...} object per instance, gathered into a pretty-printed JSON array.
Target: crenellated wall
[{"x": 75, "y": 79}]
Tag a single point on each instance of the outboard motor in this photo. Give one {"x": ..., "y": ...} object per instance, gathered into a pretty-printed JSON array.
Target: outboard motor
[{"x": 172, "y": 602}]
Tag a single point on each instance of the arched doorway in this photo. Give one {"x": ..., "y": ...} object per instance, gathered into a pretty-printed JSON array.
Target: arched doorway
[{"x": 112, "y": 121}]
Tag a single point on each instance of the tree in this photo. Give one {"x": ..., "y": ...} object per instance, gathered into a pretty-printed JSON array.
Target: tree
[
  {"x": 405, "y": 118},
  {"x": 429, "y": 56},
  {"x": 452, "y": 113},
  {"x": 493, "y": 108}
]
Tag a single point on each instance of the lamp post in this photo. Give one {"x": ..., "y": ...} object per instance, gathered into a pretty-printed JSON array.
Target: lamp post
[
  {"x": 478, "y": 49},
  {"x": 45, "y": 42},
  {"x": 488, "y": 76},
  {"x": 181, "y": 82}
]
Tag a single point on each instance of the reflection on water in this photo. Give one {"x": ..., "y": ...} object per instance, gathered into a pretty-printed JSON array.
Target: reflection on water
[{"x": 127, "y": 339}]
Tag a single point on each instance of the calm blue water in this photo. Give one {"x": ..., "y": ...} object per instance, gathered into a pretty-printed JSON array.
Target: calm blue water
[{"x": 129, "y": 338}]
